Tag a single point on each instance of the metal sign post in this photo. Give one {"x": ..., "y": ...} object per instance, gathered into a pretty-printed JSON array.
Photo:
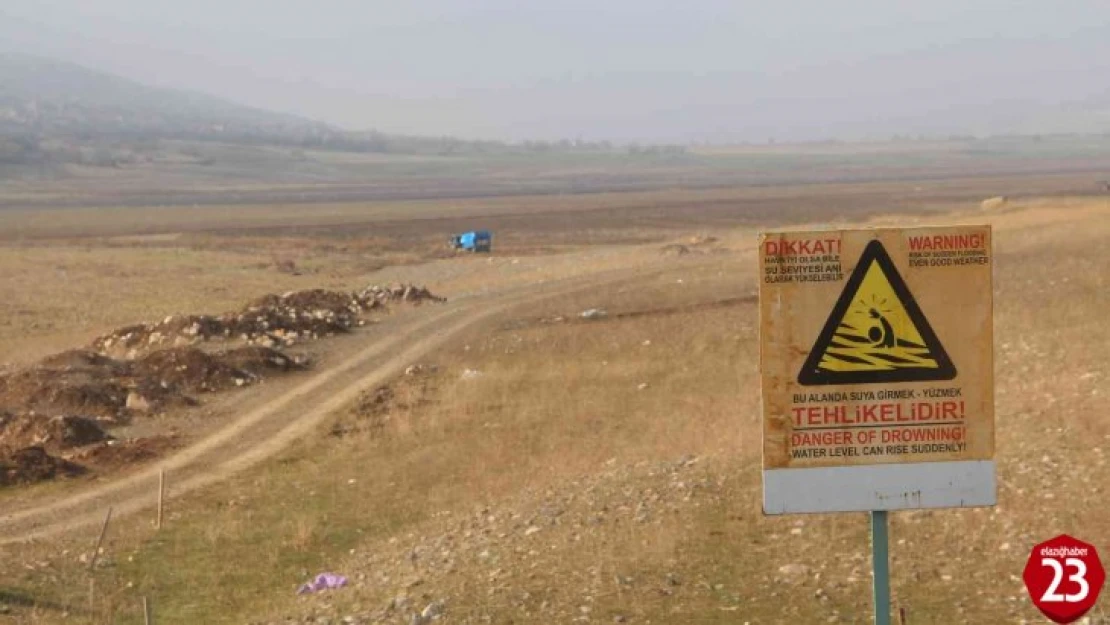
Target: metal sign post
[{"x": 880, "y": 567}]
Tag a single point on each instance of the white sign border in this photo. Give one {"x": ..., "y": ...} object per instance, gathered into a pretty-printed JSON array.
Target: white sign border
[{"x": 866, "y": 488}]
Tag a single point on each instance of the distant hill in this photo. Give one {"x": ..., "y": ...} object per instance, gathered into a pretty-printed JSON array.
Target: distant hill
[
  {"x": 59, "y": 112},
  {"x": 48, "y": 98}
]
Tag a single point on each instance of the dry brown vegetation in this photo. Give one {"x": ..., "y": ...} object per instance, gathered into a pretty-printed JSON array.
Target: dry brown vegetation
[
  {"x": 606, "y": 470},
  {"x": 550, "y": 468},
  {"x": 74, "y": 273}
]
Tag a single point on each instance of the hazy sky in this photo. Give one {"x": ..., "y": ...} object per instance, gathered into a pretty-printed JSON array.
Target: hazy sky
[{"x": 617, "y": 69}]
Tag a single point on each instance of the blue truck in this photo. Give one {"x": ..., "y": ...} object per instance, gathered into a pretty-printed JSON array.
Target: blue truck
[{"x": 473, "y": 241}]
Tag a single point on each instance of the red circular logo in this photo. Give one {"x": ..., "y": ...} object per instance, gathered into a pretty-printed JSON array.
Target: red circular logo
[{"x": 1063, "y": 577}]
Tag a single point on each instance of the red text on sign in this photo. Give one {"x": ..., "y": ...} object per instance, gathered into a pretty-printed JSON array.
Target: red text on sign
[
  {"x": 823, "y": 416},
  {"x": 803, "y": 247},
  {"x": 946, "y": 242}
]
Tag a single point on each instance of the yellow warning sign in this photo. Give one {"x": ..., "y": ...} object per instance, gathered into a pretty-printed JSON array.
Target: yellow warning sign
[
  {"x": 876, "y": 332},
  {"x": 875, "y": 349}
]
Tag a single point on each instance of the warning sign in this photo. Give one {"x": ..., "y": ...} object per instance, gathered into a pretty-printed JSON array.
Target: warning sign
[
  {"x": 876, "y": 352},
  {"x": 876, "y": 332}
]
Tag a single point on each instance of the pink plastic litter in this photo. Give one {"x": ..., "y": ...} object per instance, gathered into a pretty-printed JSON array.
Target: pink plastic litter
[{"x": 323, "y": 581}]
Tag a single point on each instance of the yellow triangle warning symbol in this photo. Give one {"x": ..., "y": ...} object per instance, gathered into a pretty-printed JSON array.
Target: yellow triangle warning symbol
[{"x": 876, "y": 332}]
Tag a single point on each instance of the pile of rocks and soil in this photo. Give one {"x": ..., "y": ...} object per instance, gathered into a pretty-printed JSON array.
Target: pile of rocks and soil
[
  {"x": 33, "y": 464},
  {"x": 53, "y": 414},
  {"x": 36, "y": 448},
  {"x": 113, "y": 390},
  {"x": 32, "y": 446},
  {"x": 271, "y": 321},
  {"x": 406, "y": 293},
  {"x": 18, "y": 431}
]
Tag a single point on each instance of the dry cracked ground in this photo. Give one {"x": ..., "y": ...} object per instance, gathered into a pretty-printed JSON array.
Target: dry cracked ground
[{"x": 550, "y": 467}]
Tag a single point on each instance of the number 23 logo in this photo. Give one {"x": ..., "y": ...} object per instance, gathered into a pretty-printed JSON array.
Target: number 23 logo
[{"x": 1079, "y": 577}]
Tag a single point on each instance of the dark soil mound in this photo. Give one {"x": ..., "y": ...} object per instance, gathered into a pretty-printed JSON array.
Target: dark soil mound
[
  {"x": 52, "y": 433},
  {"x": 125, "y": 453},
  {"x": 92, "y": 396},
  {"x": 84, "y": 359},
  {"x": 88, "y": 391},
  {"x": 73, "y": 431},
  {"x": 33, "y": 464},
  {"x": 259, "y": 360},
  {"x": 190, "y": 369},
  {"x": 86, "y": 383}
]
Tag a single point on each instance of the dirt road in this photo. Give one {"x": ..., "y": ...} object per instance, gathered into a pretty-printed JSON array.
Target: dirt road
[{"x": 267, "y": 429}]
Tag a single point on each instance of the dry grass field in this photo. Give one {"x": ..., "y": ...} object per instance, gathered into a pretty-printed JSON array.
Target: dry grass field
[{"x": 545, "y": 468}]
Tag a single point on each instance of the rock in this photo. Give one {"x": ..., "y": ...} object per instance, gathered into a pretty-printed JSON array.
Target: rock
[
  {"x": 432, "y": 610},
  {"x": 470, "y": 374},
  {"x": 593, "y": 313},
  {"x": 420, "y": 369}
]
